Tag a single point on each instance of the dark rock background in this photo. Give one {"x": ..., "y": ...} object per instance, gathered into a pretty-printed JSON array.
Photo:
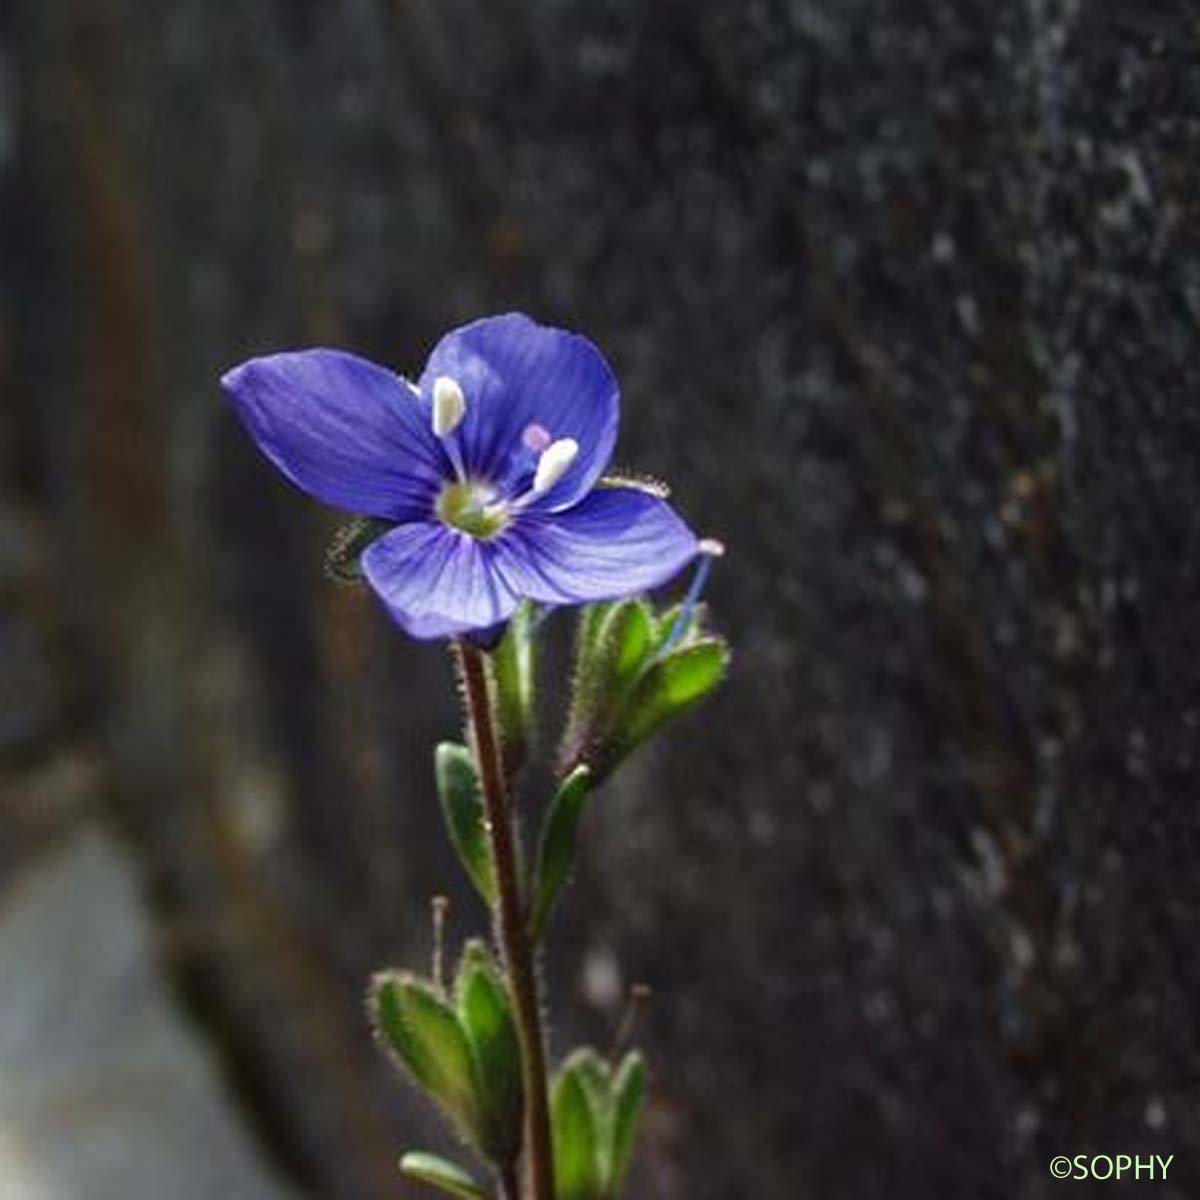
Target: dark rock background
[{"x": 904, "y": 301}]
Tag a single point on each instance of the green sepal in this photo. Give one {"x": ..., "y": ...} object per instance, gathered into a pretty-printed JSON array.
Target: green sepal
[
  {"x": 556, "y": 852},
  {"x": 665, "y": 626},
  {"x": 423, "y": 1035},
  {"x": 441, "y": 1174},
  {"x": 514, "y": 673},
  {"x": 639, "y": 483},
  {"x": 612, "y": 645},
  {"x": 577, "y": 1171},
  {"x": 671, "y": 687},
  {"x": 466, "y": 820},
  {"x": 618, "y": 646},
  {"x": 342, "y": 556},
  {"x": 628, "y": 1096},
  {"x": 591, "y": 621},
  {"x": 625, "y": 641},
  {"x": 485, "y": 1013}
]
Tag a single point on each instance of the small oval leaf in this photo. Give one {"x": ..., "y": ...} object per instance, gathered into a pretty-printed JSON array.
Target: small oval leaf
[
  {"x": 628, "y": 1096},
  {"x": 514, "y": 664},
  {"x": 576, "y": 1156},
  {"x": 485, "y": 1013},
  {"x": 441, "y": 1174},
  {"x": 595, "y": 1075},
  {"x": 556, "y": 853},
  {"x": 466, "y": 821},
  {"x": 423, "y": 1034}
]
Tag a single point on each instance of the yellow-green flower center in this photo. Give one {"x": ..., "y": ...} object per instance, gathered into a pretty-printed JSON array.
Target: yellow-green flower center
[{"x": 471, "y": 508}]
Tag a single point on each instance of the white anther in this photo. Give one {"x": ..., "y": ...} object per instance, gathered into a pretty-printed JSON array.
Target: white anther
[
  {"x": 449, "y": 406},
  {"x": 711, "y": 547},
  {"x": 554, "y": 463}
]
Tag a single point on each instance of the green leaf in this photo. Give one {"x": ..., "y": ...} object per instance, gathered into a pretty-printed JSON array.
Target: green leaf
[
  {"x": 576, "y": 1157},
  {"x": 556, "y": 853},
  {"x": 628, "y": 1096},
  {"x": 595, "y": 1075},
  {"x": 438, "y": 1173},
  {"x": 514, "y": 672},
  {"x": 595, "y": 1113},
  {"x": 670, "y": 688},
  {"x": 424, "y": 1035},
  {"x": 485, "y": 1013},
  {"x": 466, "y": 821}
]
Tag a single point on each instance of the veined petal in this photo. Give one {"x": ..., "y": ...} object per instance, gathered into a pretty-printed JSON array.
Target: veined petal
[
  {"x": 348, "y": 432},
  {"x": 522, "y": 378},
  {"x": 615, "y": 542},
  {"x": 436, "y": 581}
]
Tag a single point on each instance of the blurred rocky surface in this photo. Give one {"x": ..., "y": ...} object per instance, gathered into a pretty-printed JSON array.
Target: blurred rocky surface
[
  {"x": 904, "y": 302},
  {"x": 106, "y": 1092}
]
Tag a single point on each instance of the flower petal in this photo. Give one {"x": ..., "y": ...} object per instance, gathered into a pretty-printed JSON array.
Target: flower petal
[
  {"x": 437, "y": 582},
  {"x": 615, "y": 542},
  {"x": 518, "y": 377},
  {"x": 348, "y": 432}
]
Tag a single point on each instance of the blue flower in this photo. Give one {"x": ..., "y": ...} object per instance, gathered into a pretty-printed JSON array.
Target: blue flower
[{"x": 488, "y": 471}]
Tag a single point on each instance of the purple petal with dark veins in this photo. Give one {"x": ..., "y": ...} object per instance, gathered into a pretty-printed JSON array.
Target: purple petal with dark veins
[
  {"x": 348, "y": 432},
  {"x": 517, "y": 374},
  {"x": 615, "y": 542},
  {"x": 437, "y": 582}
]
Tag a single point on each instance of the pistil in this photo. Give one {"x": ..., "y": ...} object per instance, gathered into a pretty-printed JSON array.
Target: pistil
[
  {"x": 709, "y": 549},
  {"x": 469, "y": 508}
]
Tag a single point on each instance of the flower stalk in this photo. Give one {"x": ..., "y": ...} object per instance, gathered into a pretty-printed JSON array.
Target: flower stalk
[
  {"x": 511, "y": 930},
  {"x": 480, "y": 497},
  {"x": 510, "y": 1185}
]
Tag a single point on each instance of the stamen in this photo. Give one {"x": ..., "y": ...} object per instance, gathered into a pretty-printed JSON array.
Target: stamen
[
  {"x": 709, "y": 548},
  {"x": 449, "y": 406},
  {"x": 553, "y": 465},
  {"x": 555, "y": 461},
  {"x": 470, "y": 507}
]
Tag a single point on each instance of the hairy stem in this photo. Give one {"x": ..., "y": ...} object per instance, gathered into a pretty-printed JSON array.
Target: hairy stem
[{"x": 511, "y": 929}]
